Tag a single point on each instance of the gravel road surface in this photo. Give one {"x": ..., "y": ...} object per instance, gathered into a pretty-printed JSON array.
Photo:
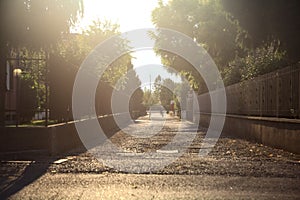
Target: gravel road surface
[{"x": 234, "y": 169}]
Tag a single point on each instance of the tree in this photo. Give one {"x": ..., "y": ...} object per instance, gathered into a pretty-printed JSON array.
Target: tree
[
  {"x": 120, "y": 75},
  {"x": 132, "y": 87},
  {"x": 147, "y": 98},
  {"x": 163, "y": 91},
  {"x": 269, "y": 20},
  {"x": 261, "y": 60},
  {"x": 208, "y": 24},
  {"x": 37, "y": 23},
  {"x": 74, "y": 48},
  {"x": 157, "y": 89},
  {"x": 34, "y": 24},
  {"x": 167, "y": 93},
  {"x": 182, "y": 90},
  {"x": 244, "y": 38},
  {"x": 33, "y": 78}
]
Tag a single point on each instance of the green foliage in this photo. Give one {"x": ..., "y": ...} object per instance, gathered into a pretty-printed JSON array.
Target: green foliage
[
  {"x": 263, "y": 59},
  {"x": 74, "y": 48},
  {"x": 36, "y": 23},
  {"x": 148, "y": 98},
  {"x": 33, "y": 64},
  {"x": 157, "y": 89},
  {"x": 229, "y": 45},
  {"x": 181, "y": 91},
  {"x": 165, "y": 90},
  {"x": 208, "y": 24},
  {"x": 167, "y": 93},
  {"x": 29, "y": 100},
  {"x": 33, "y": 25},
  {"x": 162, "y": 93},
  {"x": 204, "y": 21},
  {"x": 132, "y": 87},
  {"x": 258, "y": 61},
  {"x": 136, "y": 104},
  {"x": 265, "y": 19}
]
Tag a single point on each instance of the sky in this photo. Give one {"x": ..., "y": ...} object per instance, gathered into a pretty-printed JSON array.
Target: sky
[{"x": 130, "y": 15}]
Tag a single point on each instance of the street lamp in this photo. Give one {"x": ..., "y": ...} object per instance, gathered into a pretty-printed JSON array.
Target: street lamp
[{"x": 17, "y": 73}]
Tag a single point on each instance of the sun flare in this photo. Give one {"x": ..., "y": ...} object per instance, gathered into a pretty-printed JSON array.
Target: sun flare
[{"x": 129, "y": 15}]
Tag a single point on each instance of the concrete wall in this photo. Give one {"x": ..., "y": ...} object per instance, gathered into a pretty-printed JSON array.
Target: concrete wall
[
  {"x": 54, "y": 139},
  {"x": 24, "y": 138},
  {"x": 265, "y": 109},
  {"x": 276, "y": 132}
]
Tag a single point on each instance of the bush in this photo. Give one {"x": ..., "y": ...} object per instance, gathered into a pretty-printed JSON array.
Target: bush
[{"x": 258, "y": 61}]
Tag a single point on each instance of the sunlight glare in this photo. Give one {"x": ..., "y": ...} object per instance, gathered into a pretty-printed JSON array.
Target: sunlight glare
[{"x": 129, "y": 15}]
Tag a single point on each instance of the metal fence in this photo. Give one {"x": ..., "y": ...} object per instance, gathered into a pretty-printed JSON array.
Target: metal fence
[
  {"x": 26, "y": 93},
  {"x": 62, "y": 76},
  {"x": 275, "y": 94}
]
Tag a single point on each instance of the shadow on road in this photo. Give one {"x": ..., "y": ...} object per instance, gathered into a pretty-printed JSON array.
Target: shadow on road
[
  {"x": 17, "y": 173},
  {"x": 17, "y": 170}
]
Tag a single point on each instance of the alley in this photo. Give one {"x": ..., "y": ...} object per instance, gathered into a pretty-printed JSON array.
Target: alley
[{"x": 146, "y": 166}]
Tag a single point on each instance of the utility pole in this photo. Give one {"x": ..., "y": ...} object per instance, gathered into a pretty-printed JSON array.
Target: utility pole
[
  {"x": 150, "y": 83},
  {"x": 150, "y": 98}
]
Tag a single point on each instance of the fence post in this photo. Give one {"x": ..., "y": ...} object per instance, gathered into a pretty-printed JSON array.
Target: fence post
[
  {"x": 52, "y": 143},
  {"x": 277, "y": 95},
  {"x": 189, "y": 109},
  {"x": 298, "y": 91}
]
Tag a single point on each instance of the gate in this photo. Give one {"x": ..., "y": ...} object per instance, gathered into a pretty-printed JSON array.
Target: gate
[{"x": 26, "y": 95}]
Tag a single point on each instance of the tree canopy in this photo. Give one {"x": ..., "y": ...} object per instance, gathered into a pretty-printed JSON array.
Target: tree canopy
[
  {"x": 36, "y": 23},
  {"x": 208, "y": 24},
  {"x": 244, "y": 38},
  {"x": 74, "y": 48},
  {"x": 269, "y": 19}
]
